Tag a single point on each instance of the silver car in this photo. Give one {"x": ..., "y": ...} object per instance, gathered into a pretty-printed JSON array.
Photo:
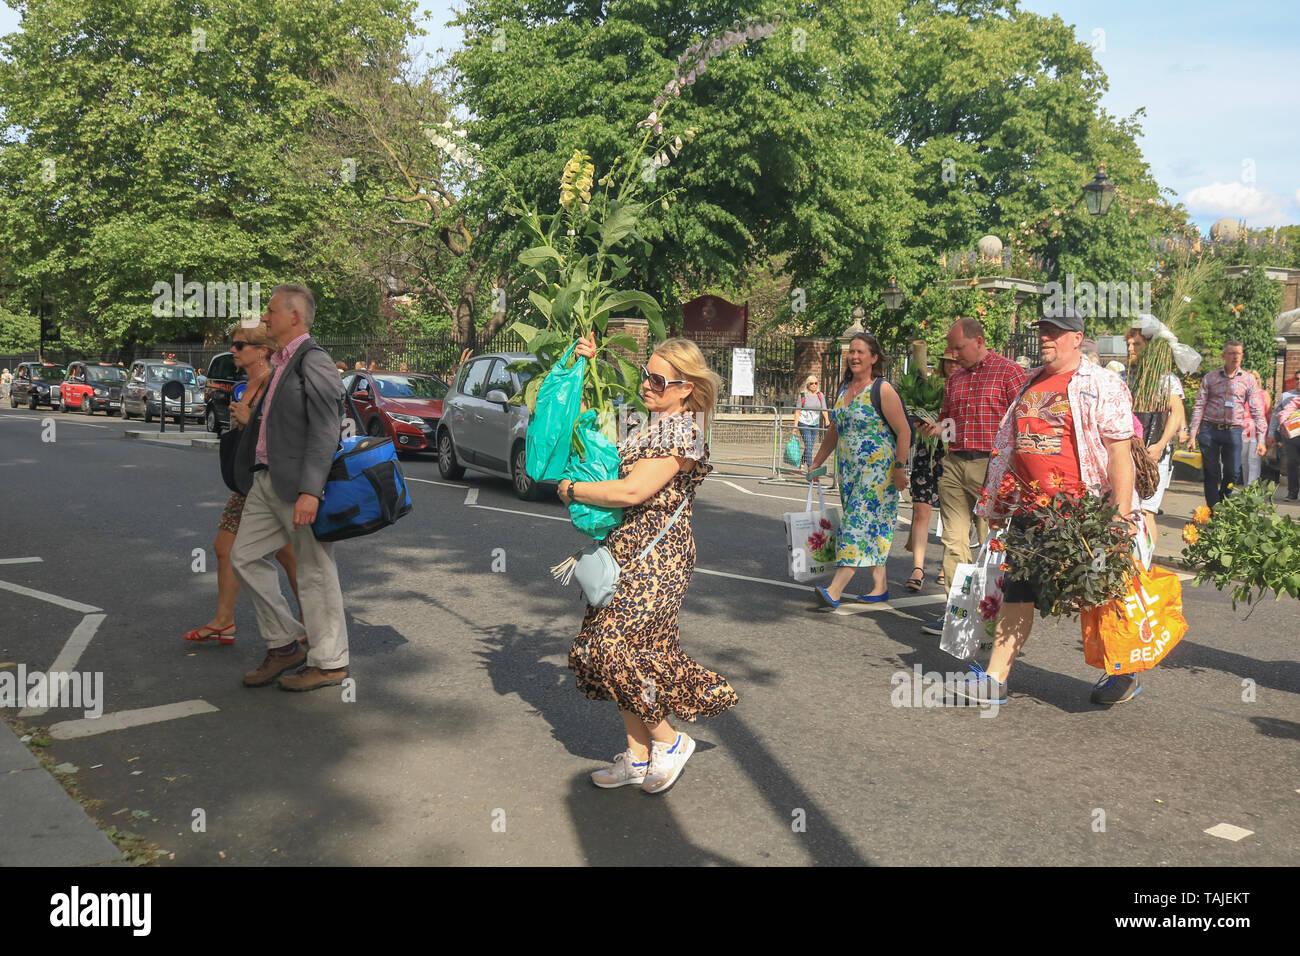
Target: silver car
[
  {"x": 142, "y": 394},
  {"x": 480, "y": 429}
]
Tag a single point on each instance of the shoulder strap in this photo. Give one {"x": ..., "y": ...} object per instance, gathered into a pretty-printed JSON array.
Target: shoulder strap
[{"x": 650, "y": 547}]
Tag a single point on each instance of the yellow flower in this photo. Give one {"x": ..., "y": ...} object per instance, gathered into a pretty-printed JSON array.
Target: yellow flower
[
  {"x": 1191, "y": 534},
  {"x": 1201, "y": 515}
]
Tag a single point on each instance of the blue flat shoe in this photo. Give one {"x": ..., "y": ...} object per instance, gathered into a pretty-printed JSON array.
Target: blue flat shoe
[
  {"x": 824, "y": 596},
  {"x": 873, "y": 598}
]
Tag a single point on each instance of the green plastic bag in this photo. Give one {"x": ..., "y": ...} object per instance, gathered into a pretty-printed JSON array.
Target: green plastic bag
[
  {"x": 794, "y": 450},
  {"x": 550, "y": 430},
  {"x": 599, "y": 462}
]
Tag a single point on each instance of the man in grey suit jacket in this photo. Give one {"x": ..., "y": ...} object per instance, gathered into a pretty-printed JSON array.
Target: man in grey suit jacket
[{"x": 283, "y": 459}]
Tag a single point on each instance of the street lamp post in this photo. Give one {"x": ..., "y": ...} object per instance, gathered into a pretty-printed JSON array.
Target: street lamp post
[
  {"x": 1099, "y": 194},
  {"x": 893, "y": 296}
]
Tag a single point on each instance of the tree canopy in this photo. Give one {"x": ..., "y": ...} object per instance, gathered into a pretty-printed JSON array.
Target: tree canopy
[{"x": 147, "y": 139}]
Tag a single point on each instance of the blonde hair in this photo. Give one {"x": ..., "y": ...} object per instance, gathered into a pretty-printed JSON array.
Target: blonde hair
[
  {"x": 688, "y": 361},
  {"x": 254, "y": 335},
  {"x": 811, "y": 378}
]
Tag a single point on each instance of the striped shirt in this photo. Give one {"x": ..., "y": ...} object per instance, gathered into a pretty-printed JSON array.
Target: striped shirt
[
  {"x": 1224, "y": 400},
  {"x": 976, "y": 399}
]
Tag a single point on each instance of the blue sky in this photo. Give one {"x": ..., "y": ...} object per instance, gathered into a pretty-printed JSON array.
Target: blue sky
[{"x": 1218, "y": 81}]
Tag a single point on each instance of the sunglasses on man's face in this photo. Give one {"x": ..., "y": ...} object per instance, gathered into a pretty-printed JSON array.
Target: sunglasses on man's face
[{"x": 657, "y": 382}]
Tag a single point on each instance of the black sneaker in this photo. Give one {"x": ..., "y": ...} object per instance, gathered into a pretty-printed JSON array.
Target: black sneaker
[
  {"x": 1116, "y": 688},
  {"x": 934, "y": 627}
]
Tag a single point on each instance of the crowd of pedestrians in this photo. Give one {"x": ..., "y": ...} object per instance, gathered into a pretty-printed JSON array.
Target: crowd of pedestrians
[{"x": 1071, "y": 421}]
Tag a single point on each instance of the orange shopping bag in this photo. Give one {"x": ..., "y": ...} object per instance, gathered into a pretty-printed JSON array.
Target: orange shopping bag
[{"x": 1134, "y": 633}]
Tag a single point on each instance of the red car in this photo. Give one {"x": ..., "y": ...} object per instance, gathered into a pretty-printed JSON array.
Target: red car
[
  {"x": 93, "y": 387},
  {"x": 403, "y": 406}
]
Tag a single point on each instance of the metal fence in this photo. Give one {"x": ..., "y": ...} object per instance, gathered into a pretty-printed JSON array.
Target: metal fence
[
  {"x": 745, "y": 437},
  {"x": 773, "y": 371}
]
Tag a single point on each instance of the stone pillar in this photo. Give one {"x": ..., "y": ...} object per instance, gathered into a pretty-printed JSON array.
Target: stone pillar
[{"x": 638, "y": 328}]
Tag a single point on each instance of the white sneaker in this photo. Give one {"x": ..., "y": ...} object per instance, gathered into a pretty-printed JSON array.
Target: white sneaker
[
  {"x": 666, "y": 763},
  {"x": 624, "y": 771}
]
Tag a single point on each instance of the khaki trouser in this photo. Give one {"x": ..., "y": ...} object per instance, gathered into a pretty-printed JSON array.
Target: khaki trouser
[
  {"x": 264, "y": 528},
  {"x": 959, "y": 487}
]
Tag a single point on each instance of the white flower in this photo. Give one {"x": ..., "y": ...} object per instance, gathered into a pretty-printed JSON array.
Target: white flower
[{"x": 689, "y": 79}]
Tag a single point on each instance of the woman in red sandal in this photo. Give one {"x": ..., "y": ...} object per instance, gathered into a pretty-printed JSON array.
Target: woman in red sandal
[{"x": 252, "y": 350}]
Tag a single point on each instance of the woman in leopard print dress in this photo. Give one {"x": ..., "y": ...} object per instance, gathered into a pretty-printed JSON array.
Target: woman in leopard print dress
[{"x": 628, "y": 651}]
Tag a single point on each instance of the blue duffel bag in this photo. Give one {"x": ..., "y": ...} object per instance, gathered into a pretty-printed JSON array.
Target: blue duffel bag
[{"x": 365, "y": 490}]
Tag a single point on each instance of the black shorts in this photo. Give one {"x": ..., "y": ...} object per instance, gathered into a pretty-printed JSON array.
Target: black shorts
[{"x": 1026, "y": 591}]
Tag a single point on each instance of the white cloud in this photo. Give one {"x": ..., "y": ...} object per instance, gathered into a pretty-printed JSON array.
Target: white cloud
[{"x": 1258, "y": 207}]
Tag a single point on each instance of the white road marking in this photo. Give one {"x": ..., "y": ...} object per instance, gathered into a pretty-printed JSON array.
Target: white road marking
[
  {"x": 745, "y": 577},
  {"x": 471, "y": 496},
  {"x": 530, "y": 514},
  {"x": 51, "y": 598},
  {"x": 88, "y": 727},
  {"x": 62, "y": 420},
  {"x": 1228, "y": 832},
  {"x": 430, "y": 481},
  {"x": 73, "y": 648},
  {"x": 757, "y": 494},
  {"x": 20, "y": 560},
  {"x": 856, "y": 607}
]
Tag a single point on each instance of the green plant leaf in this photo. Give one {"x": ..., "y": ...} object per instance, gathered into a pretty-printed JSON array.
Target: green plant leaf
[{"x": 539, "y": 256}]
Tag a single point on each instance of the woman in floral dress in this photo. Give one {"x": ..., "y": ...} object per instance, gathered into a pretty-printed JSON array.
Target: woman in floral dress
[
  {"x": 628, "y": 650},
  {"x": 871, "y": 471}
]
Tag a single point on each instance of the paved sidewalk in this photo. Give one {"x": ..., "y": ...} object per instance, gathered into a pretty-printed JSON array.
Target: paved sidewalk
[{"x": 40, "y": 824}]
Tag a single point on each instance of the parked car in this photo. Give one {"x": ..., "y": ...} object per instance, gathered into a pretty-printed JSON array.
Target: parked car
[
  {"x": 142, "y": 394},
  {"x": 218, "y": 388},
  {"x": 36, "y": 384},
  {"x": 93, "y": 387},
  {"x": 480, "y": 428},
  {"x": 399, "y": 405}
]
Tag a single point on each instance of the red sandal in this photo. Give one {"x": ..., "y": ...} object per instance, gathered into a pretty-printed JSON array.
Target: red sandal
[{"x": 201, "y": 635}]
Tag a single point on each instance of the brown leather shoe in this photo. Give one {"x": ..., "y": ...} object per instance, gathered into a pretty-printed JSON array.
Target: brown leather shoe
[
  {"x": 311, "y": 678},
  {"x": 275, "y": 665}
]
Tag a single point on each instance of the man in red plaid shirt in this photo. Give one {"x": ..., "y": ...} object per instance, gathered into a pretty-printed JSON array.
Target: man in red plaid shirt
[{"x": 975, "y": 398}]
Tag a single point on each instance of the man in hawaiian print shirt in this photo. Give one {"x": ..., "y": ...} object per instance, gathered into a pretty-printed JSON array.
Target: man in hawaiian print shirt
[{"x": 1072, "y": 422}]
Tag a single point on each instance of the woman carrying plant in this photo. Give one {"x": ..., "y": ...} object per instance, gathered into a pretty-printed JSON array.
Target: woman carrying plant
[
  {"x": 812, "y": 414},
  {"x": 1157, "y": 404},
  {"x": 252, "y": 350},
  {"x": 927, "y": 469},
  {"x": 628, "y": 651},
  {"x": 871, "y": 450}
]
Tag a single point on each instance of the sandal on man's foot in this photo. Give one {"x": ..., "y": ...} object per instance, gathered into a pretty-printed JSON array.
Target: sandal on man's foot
[
  {"x": 225, "y": 635},
  {"x": 917, "y": 580}
]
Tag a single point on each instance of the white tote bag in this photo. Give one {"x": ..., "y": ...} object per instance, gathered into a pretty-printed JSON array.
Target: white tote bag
[
  {"x": 963, "y": 624},
  {"x": 812, "y": 539}
]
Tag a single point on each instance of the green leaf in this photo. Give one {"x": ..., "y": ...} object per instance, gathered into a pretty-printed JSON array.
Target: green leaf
[
  {"x": 525, "y": 332},
  {"x": 542, "y": 304},
  {"x": 539, "y": 256},
  {"x": 618, "y": 226},
  {"x": 622, "y": 340}
]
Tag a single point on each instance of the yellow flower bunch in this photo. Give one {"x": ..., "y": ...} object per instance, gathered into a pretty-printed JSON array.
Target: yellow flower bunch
[
  {"x": 575, "y": 185},
  {"x": 1191, "y": 534},
  {"x": 1201, "y": 515}
]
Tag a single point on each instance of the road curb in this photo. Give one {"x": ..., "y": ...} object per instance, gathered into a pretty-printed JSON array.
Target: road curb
[{"x": 40, "y": 823}]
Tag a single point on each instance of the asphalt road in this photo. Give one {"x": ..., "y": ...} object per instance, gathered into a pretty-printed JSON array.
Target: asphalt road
[{"x": 468, "y": 743}]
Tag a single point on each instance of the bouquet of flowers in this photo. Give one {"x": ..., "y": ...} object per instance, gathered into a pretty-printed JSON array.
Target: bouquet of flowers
[
  {"x": 1072, "y": 541},
  {"x": 1244, "y": 543}
]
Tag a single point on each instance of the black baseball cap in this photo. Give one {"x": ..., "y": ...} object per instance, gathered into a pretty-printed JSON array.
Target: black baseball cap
[{"x": 1063, "y": 318}]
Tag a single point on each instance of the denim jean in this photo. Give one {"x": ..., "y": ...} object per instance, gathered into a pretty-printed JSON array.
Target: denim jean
[
  {"x": 809, "y": 435},
  {"x": 1220, "y": 460}
]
